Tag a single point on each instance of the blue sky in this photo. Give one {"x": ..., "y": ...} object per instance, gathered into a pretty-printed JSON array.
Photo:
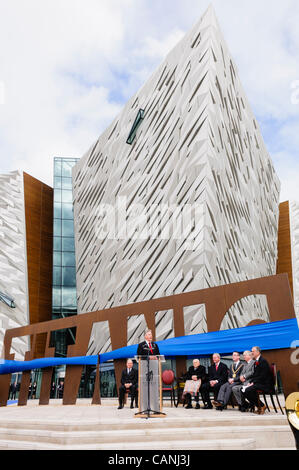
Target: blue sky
[{"x": 68, "y": 66}]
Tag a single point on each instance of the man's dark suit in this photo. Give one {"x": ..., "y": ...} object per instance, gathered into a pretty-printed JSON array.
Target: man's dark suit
[
  {"x": 262, "y": 379},
  {"x": 220, "y": 374},
  {"x": 144, "y": 350},
  {"x": 200, "y": 373},
  {"x": 127, "y": 378},
  {"x": 235, "y": 371}
]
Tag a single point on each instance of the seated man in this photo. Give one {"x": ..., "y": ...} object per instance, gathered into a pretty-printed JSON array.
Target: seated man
[
  {"x": 217, "y": 376},
  {"x": 195, "y": 376},
  {"x": 233, "y": 379},
  {"x": 246, "y": 374},
  {"x": 262, "y": 379},
  {"x": 129, "y": 381}
]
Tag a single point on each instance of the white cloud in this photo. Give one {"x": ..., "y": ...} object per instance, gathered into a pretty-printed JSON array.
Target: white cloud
[{"x": 68, "y": 66}]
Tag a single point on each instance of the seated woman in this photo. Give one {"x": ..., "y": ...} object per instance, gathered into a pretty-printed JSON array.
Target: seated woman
[{"x": 194, "y": 377}]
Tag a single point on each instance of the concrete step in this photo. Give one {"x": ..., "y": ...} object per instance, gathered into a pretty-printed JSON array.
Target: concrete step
[
  {"x": 86, "y": 426},
  {"x": 223, "y": 444},
  {"x": 264, "y": 435},
  {"x": 198, "y": 420}
]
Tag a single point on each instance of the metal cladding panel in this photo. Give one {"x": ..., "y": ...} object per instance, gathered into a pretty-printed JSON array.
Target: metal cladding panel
[{"x": 13, "y": 262}]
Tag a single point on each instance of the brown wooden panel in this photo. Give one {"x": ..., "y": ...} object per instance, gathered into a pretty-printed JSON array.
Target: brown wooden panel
[
  {"x": 39, "y": 239},
  {"x": 284, "y": 259}
]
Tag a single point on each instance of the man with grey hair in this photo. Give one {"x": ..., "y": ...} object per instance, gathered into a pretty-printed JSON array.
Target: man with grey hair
[
  {"x": 247, "y": 373},
  {"x": 217, "y": 376},
  {"x": 148, "y": 347},
  {"x": 262, "y": 379}
]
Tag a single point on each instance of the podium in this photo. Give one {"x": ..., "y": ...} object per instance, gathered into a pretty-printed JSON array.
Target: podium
[{"x": 150, "y": 386}]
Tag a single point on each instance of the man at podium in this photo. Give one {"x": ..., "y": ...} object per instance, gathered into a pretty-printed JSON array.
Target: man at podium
[
  {"x": 148, "y": 347},
  {"x": 150, "y": 385}
]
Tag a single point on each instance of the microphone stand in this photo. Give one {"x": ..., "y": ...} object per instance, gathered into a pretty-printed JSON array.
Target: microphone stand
[{"x": 148, "y": 379}]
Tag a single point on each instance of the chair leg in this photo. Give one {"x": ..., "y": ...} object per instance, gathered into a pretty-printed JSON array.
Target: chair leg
[
  {"x": 271, "y": 396},
  {"x": 279, "y": 403},
  {"x": 176, "y": 398},
  {"x": 266, "y": 403}
]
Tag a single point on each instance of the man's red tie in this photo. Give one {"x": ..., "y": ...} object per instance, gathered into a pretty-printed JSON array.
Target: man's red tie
[{"x": 150, "y": 346}]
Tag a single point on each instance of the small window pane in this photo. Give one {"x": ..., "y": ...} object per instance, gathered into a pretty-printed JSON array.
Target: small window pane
[
  {"x": 56, "y": 296},
  {"x": 69, "y": 276},
  {"x": 57, "y": 244},
  {"x": 69, "y": 297},
  {"x": 57, "y": 182},
  {"x": 57, "y": 210},
  {"x": 57, "y": 167},
  {"x": 68, "y": 259},
  {"x": 57, "y": 195},
  {"x": 57, "y": 258},
  {"x": 67, "y": 228},
  {"x": 56, "y": 276},
  {"x": 57, "y": 228},
  {"x": 67, "y": 168},
  {"x": 67, "y": 211},
  {"x": 66, "y": 183},
  {"x": 66, "y": 196},
  {"x": 68, "y": 244}
]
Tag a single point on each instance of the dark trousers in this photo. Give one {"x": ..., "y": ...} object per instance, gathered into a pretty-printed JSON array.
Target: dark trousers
[
  {"x": 122, "y": 391},
  {"x": 205, "y": 392},
  {"x": 251, "y": 395}
]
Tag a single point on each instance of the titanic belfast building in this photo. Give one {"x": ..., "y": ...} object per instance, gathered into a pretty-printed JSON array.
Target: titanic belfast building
[{"x": 178, "y": 194}]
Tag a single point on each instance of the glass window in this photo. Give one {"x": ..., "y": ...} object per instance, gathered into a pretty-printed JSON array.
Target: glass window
[
  {"x": 67, "y": 211},
  {"x": 66, "y": 196},
  {"x": 67, "y": 228},
  {"x": 57, "y": 258},
  {"x": 57, "y": 195},
  {"x": 57, "y": 182},
  {"x": 57, "y": 276},
  {"x": 56, "y": 296},
  {"x": 69, "y": 297},
  {"x": 68, "y": 259},
  {"x": 67, "y": 183},
  {"x": 68, "y": 244},
  {"x": 57, "y": 167},
  {"x": 57, "y": 210},
  {"x": 67, "y": 168},
  {"x": 69, "y": 276},
  {"x": 135, "y": 126},
  {"x": 57, "y": 228},
  {"x": 57, "y": 244}
]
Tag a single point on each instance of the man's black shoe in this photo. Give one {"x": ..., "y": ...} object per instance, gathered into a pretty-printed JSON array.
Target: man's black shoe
[
  {"x": 132, "y": 406},
  {"x": 120, "y": 407},
  {"x": 197, "y": 406},
  {"x": 188, "y": 407},
  {"x": 220, "y": 407},
  {"x": 208, "y": 407}
]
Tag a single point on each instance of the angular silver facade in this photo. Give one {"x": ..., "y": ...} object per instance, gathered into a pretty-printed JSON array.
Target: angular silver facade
[
  {"x": 197, "y": 146},
  {"x": 13, "y": 259}
]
